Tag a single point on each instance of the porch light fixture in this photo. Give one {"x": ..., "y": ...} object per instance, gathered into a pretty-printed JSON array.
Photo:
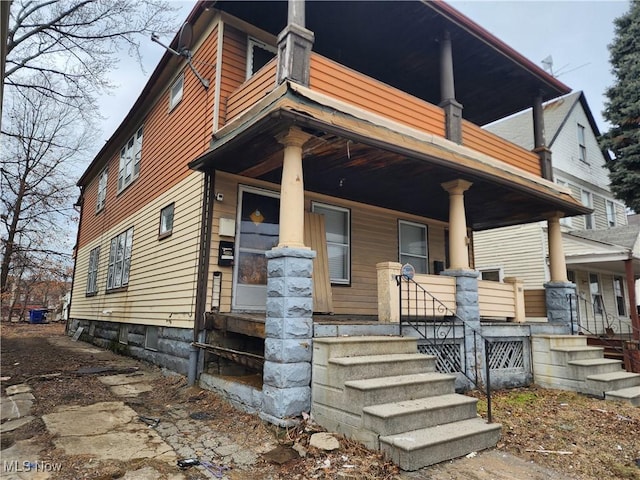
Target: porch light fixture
[{"x": 256, "y": 217}]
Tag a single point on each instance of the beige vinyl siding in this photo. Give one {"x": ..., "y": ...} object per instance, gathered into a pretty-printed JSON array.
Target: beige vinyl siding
[
  {"x": 374, "y": 239},
  {"x": 519, "y": 250},
  {"x": 162, "y": 278}
]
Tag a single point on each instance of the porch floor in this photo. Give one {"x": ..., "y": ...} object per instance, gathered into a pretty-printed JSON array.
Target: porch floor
[{"x": 252, "y": 324}]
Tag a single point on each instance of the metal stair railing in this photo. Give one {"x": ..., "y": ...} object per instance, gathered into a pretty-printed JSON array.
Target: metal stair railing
[
  {"x": 607, "y": 342},
  {"x": 424, "y": 312}
]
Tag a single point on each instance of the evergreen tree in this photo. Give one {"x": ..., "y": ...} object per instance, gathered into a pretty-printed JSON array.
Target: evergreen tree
[{"x": 622, "y": 109}]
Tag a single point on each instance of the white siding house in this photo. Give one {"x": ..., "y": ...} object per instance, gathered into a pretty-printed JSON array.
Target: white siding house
[{"x": 596, "y": 246}]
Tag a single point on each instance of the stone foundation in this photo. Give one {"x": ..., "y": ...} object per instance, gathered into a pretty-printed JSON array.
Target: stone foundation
[{"x": 172, "y": 352}]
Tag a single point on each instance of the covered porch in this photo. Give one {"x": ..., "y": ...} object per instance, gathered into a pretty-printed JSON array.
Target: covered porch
[{"x": 304, "y": 141}]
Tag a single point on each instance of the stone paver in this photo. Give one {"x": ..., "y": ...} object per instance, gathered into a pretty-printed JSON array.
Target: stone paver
[
  {"x": 106, "y": 430},
  {"x": 11, "y": 425},
  {"x": 16, "y": 389},
  {"x": 22, "y": 460}
]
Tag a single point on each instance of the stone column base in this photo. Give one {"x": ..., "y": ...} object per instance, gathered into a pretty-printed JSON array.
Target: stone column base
[
  {"x": 562, "y": 303},
  {"x": 286, "y": 390}
]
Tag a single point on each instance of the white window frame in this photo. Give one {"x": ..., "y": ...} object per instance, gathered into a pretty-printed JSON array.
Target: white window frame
[
  {"x": 619, "y": 294},
  {"x": 165, "y": 230},
  {"x": 586, "y": 198},
  {"x": 176, "y": 91},
  {"x": 611, "y": 213},
  {"x": 92, "y": 272},
  {"x": 251, "y": 44},
  {"x": 424, "y": 257},
  {"x": 130, "y": 155},
  {"x": 499, "y": 270},
  {"x": 596, "y": 296},
  {"x": 120, "y": 260},
  {"x": 346, "y": 246},
  {"x": 102, "y": 190},
  {"x": 582, "y": 146}
]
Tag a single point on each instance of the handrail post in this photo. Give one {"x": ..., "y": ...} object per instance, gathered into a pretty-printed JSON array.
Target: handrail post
[{"x": 487, "y": 353}]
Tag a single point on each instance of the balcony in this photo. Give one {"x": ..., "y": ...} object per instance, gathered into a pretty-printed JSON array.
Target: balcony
[{"x": 362, "y": 92}]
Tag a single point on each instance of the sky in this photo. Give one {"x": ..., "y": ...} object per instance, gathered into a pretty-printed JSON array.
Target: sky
[{"x": 574, "y": 33}]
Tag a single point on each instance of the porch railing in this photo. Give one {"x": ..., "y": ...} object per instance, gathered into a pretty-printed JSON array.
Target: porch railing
[
  {"x": 440, "y": 326},
  {"x": 602, "y": 323}
]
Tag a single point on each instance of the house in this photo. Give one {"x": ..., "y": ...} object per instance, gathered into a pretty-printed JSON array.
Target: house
[
  {"x": 602, "y": 250},
  {"x": 248, "y": 221}
]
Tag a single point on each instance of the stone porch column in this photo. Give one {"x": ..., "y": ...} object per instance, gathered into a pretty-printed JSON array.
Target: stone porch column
[
  {"x": 560, "y": 294},
  {"x": 286, "y": 390},
  {"x": 467, "y": 304}
]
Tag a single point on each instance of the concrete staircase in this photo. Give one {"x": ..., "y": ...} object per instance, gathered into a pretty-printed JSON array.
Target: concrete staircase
[
  {"x": 380, "y": 391},
  {"x": 566, "y": 362}
]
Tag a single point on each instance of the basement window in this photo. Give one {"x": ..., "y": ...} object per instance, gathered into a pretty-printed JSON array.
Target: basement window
[{"x": 151, "y": 338}]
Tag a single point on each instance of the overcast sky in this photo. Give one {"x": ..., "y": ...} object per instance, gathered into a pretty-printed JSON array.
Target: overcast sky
[{"x": 574, "y": 33}]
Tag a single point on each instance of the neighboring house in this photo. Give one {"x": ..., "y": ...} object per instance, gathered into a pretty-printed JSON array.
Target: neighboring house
[
  {"x": 259, "y": 199},
  {"x": 602, "y": 251}
]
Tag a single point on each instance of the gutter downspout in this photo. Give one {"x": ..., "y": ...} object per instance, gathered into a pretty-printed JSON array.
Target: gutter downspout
[
  {"x": 79, "y": 203},
  {"x": 202, "y": 277}
]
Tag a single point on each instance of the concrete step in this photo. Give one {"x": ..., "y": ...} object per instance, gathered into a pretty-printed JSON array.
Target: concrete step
[
  {"x": 420, "y": 448},
  {"x": 397, "y": 417},
  {"x": 557, "y": 341},
  {"x": 561, "y": 355},
  {"x": 336, "y": 347},
  {"x": 630, "y": 395},
  {"x": 362, "y": 367},
  {"x": 606, "y": 382},
  {"x": 374, "y": 391},
  {"x": 581, "y": 369}
]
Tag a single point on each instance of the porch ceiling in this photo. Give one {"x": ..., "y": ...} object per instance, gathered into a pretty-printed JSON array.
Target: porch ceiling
[
  {"x": 360, "y": 160},
  {"x": 396, "y": 42}
]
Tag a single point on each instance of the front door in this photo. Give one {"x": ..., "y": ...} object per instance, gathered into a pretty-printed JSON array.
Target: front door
[{"x": 258, "y": 226}]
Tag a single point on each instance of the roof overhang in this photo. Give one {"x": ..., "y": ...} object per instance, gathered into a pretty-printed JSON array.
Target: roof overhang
[{"x": 357, "y": 155}]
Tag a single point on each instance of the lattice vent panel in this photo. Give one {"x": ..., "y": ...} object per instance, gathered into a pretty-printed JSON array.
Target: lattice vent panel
[
  {"x": 447, "y": 356},
  {"x": 506, "y": 355}
]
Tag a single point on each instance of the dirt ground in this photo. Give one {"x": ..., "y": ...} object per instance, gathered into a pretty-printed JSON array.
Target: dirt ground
[{"x": 574, "y": 436}]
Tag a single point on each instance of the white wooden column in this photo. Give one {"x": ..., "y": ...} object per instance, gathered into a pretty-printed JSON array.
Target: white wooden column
[
  {"x": 557, "y": 264},
  {"x": 458, "y": 240},
  {"x": 292, "y": 190}
]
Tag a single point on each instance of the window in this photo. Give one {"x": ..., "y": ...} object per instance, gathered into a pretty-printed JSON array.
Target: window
[
  {"x": 493, "y": 274},
  {"x": 258, "y": 55},
  {"x": 587, "y": 201},
  {"x": 337, "y": 223},
  {"x": 413, "y": 245},
  {"x": 166, "y": 221},
  {"x": 151, "y": 338},
  {"x": 618, "y": 288},
  {"x": 130, "y": 161},
  {"x": 102, "y": 190},
  {"x": 92, "y": 273},
  {"x": 611, "y": 213},
  {"x": 175, "y": 95},
  {"x": 582, "y": 146},
  {"x": 120, "y": 260},
  {"x": 123, "y": 334},
  {"x": 596, "y": 295}
]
